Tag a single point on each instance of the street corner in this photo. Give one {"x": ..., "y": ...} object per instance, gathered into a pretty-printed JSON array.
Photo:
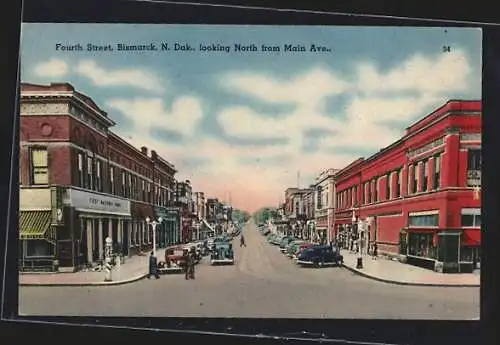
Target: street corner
[
  {"x": 421, "y": 283},
  {"x": 68, "y": 283}
]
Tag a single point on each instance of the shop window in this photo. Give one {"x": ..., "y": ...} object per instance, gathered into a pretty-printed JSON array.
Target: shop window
[
  {"x": 437, "y": 172},
  {"x": 39, "y": 248},
  {"x": 466, "y": 254},
  {"x": 421, "y": 245},
  {"x": 39, "y": 166},
  {"x": 448, "y": 248},
  {"x": 471, "y": 217},
  {"x": 424, "y": 220}
]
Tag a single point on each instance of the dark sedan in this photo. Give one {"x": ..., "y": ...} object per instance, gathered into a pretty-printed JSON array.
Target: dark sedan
[{"x": 320, "y": 256}]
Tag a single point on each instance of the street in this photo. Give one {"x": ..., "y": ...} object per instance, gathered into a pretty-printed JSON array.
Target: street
[{"x": 263, "y": 283}]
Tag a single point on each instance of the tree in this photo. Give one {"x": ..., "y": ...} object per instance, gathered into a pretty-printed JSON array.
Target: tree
[{"x": 264, "y": 214}]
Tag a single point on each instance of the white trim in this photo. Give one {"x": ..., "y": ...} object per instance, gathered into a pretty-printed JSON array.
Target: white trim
[
  {"x": 400, "y": 214},
  {"x": 423, "y": 213},
  {"x": 471, "y": 211},
  {"x": 22, "y": 209}
]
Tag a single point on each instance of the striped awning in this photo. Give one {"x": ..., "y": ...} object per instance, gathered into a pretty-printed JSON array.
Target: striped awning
[{"x": 34, "y": 224}]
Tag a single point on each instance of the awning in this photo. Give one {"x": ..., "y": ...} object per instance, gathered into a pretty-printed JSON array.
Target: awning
[
  {"x": 34, "y": 224},
  {"x": 471, "y": 237}
]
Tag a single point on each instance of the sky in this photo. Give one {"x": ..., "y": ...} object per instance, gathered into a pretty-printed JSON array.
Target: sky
[{"x": 247, "y": 125}]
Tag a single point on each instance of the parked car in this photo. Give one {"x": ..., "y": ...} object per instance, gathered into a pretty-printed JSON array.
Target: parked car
[
  {"x": 284, "y": 242},
  {"x": 222, "y": 254},
  {"x": 277, "y": 240},
  {"x": 271, "y": 237},
  {"x": 301, "y": 248},
  {"x": 293, "y": 247},
  {"x": 320, "y": 255}
]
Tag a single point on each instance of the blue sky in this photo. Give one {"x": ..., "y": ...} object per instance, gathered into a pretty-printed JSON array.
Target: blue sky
[{"x": 245, "y": 123}]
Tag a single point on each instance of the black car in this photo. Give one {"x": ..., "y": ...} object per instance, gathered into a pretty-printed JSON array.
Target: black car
[{"x": 320, "y": 255}]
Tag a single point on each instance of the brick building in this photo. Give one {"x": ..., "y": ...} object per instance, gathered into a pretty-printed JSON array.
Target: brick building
[
  {"x": 324, "y": 195},
  {"x": 80, "y": 183},
  {"x": 419, "y": 197}
]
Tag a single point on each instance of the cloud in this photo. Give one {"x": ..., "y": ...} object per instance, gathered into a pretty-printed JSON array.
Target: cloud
[
  {"x": 99, "y": 76},
  {"x": 149, "y": 113},
  {"x": 450, "y": 71},
  {"x": 54, "y": 68},
  {"x": 306, "y": 89}
]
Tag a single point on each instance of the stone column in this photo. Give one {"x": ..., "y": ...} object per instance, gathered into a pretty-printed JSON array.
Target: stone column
[
  {"x": 110, "y": 228},
  {"x": 101, "y": 240},
  {"x": 89, "y": 239}
]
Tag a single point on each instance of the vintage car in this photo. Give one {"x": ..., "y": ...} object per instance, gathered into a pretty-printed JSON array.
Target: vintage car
[
  {"x": 320, "y": 256},
  {"x": 293, "y": 247},
  {"x": 300, "y": 248},
  {"x": 277, "y": 240},
  {"x": 222, "y": 253},
  {"x": 285, "y": 241},
  {"x": 175, "y": 260}
]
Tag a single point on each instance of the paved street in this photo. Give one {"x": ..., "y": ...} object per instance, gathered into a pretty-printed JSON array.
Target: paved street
[{"x": 262, "y": 283}]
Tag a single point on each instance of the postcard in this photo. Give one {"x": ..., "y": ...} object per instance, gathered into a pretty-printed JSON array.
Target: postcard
[{"x": 250, "y": 171}]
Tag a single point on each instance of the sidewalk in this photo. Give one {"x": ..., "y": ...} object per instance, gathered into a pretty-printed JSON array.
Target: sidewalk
[
  {"x": 395, "y": 272},
  {"x": 134, "y": 268}
]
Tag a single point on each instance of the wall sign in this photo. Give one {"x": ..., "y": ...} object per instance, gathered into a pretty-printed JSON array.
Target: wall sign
[{"x": 97, "y": 203}]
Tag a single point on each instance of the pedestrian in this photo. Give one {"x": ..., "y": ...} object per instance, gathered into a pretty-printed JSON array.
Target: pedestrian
[
  {"x": 242, "y": 241},
  {"x": 153, "y": 266},
  {"x": 375, "y": 251}
]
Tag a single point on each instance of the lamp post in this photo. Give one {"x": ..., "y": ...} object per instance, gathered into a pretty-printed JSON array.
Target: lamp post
[{"x": 154, "y": 223}]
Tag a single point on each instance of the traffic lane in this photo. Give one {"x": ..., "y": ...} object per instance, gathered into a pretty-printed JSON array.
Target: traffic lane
[{"x": 243, "y": 297}]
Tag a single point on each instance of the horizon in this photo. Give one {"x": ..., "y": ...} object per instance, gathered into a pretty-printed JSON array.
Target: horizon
[{"x": 251, "y": 125}]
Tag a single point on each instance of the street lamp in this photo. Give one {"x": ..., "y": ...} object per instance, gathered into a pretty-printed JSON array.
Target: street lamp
[{"x": 154, "y": 223}]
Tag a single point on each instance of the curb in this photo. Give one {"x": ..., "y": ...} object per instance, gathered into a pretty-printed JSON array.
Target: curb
[
  {"x": 395, "y": 282},
  {"x": 102, "y": 283}
]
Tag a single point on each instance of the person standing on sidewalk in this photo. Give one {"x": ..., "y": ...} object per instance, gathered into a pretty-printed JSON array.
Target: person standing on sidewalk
[
  {"x": 375, "y": 251},
  {"x": 242, "y": 241},
  {"x": 153, "y": 267}
]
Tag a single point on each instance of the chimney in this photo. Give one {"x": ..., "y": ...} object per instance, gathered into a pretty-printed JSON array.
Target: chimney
[
  {"x": 144, "y": 150},
  {"x": 153, "y": 154}
]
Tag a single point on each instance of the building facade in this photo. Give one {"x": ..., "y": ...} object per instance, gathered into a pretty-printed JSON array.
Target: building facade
[
  {"x": 324, "y": 194},
  {"x": 80, "y": 183},
  {"x": 420, "y": 197},
  {"x": 186, "y": 206}
]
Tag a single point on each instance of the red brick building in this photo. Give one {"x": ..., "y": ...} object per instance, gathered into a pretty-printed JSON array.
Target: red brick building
[
  {"x": 419, "y": 197},
  {"x": 81, "y": 183}
]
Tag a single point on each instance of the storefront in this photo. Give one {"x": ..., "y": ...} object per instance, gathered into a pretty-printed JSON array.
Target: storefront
[
  {"x": 141, "y": 233},
  {"x": 88, "y": 219},
  {"x": 37, "y": 230},
  {"x": 172, "y": 223}
]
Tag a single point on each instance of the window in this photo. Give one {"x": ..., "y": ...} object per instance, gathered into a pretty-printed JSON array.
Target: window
[
  {"x": 399, "y": 178},
  {"x": 99, "y": 176},
  {"x": 377, "y": 194},
  {"x": 81, "y": 174},
  {"x": 143, "y": 189},
  {"x": 388, "y": 187},
  {"x": 149, "y": 193},
  {"x": 368, "y": 193},
  {"x": 437, "y": 172},
  {"x": 471, "y": 217},
  {"x": 421, "y": 245},
  {"x": 112, "y": 180},
  {"x": 410, "y": 178},
  {"x": 415, "y": 178},
  {"x": 90, "y": 175},
  {"x": 124, "y": 189},
  {"x": 39, "y": 166},
  {"x": 474, "y": 159},
  {"x": 319, "y": 198},
  {"x": 425, "y": 176},
  {"x": 129, "y": 185},
  {"x": 424, "y": 220}
]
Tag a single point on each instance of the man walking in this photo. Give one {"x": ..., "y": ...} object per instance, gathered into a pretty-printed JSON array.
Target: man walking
[
  {"x": 242, "y": 241},
  {"x": 153, "y": 267}
]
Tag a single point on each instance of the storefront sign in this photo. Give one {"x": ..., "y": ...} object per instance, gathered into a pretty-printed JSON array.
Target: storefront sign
[{"x": 96, "y": 203}]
